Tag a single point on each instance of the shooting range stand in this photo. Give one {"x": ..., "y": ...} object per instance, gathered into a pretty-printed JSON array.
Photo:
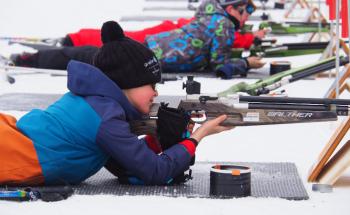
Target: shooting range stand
[
  {"x": 331, "y": 48},
  {"x": 330, "y": 52},
  {"x": 343, "y": 85},
  {"x": 327, "y": 170},
  {"x": 314, "y": 14},
  {"x": 301, "y": 3}
]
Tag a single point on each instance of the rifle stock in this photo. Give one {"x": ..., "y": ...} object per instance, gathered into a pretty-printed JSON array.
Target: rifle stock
[{"x": 238, "y": 114}]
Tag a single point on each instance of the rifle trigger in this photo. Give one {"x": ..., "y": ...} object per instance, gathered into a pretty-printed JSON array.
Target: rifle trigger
[{"x": 198, "y": 116}]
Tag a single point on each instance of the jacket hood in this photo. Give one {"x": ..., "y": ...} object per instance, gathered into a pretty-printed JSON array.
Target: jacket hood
[
  {"x": 87, "y": 80},
  {"x": 210, "y": 7}
]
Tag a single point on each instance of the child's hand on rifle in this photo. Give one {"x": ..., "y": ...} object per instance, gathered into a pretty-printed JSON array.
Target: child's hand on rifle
[
  {"x": 210, "y": 127},
  {"x": 255, "y": 62}
]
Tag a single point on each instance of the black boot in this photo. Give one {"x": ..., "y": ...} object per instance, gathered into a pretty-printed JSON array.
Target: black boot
[
  {"x": 66, "y": 41},
  {"x": 25, "y": 59}
]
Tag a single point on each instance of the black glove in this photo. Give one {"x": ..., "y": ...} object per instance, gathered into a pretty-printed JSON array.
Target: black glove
[{"x": 171, "y": 125}]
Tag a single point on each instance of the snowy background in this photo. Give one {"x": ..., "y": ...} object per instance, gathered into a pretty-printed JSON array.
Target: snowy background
[{"x": 297, "y": 143}]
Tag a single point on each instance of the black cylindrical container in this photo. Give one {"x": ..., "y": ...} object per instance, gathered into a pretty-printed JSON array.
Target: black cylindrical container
[
  {"x": 230, "y": 181},
  {"x": 279, "y": 66}
]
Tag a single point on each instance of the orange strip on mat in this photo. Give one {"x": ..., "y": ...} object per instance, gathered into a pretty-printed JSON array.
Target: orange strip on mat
[{"x": 18, "y": 158}]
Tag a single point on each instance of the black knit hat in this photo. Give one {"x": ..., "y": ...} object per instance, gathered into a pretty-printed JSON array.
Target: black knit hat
[{"x": 128, "y": 63}]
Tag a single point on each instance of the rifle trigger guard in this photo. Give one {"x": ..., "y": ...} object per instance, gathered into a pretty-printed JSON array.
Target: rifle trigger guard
[{"x": 198, "y": 116}]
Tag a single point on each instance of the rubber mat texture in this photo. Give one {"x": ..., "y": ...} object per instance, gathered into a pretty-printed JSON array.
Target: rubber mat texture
[
  {"x": 273, "y": 180},
  {"x": 280, "y": 180}
]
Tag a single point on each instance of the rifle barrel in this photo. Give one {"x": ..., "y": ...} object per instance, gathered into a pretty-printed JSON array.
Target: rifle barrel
[
  {"x": 312, "y": 71},
  {"x": 308, "y": 24},
  {"x": 341, "y": 110},
  {"x": 297, "y": 76},
  {"x": 317, "y": 69},
  {"x": 266, "y": 99},
  {"x": 299, "y": 46}
]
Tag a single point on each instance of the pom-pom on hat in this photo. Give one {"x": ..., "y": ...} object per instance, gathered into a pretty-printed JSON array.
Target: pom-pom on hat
[{"x": 126, "y": 62}]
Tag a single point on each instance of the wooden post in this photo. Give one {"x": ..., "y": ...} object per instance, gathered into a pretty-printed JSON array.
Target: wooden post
[
  {"x": 315, "y": 12},
  {"x": 335, "y": 167},
  {"x": 346, "y": 75},
  {"x": 332, "y": 93},
  {"x": 328, "y": 150},
  {"x": 302, "y": 3}
]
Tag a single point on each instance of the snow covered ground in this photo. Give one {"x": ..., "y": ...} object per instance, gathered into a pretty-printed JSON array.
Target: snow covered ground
[{"x": 298, "y": 143}]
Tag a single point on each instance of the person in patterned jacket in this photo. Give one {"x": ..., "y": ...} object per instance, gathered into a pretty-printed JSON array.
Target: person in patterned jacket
[{"x": 204, "y": 43}]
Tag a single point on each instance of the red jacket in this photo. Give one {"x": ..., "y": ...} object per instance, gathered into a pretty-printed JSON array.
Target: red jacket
[{"x": 92, "y": 37}]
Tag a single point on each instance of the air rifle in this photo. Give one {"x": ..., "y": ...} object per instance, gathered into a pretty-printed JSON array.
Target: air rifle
[
  {"x": 281, "y": 50},
  {"x": 288, "y": 49},
  {"x": 264, "y": 86},
  {"x": 293, "y": 27},
  {"x": 251, "y": 110}
]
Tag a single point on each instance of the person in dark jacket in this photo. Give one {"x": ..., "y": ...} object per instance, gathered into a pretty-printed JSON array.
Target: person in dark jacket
[
  {"x": 74, "y": 137},
  {"x": 203, "y": 44}
]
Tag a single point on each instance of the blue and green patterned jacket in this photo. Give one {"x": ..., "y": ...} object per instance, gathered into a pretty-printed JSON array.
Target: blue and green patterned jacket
[{"x": 205, "y": 43}]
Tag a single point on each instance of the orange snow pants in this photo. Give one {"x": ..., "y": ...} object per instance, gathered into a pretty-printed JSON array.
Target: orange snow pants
[{"x": 19, "y": 164}]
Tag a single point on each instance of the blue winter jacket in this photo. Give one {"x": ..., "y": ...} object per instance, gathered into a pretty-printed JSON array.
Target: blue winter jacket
[{"x": 76, "y": 135}]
